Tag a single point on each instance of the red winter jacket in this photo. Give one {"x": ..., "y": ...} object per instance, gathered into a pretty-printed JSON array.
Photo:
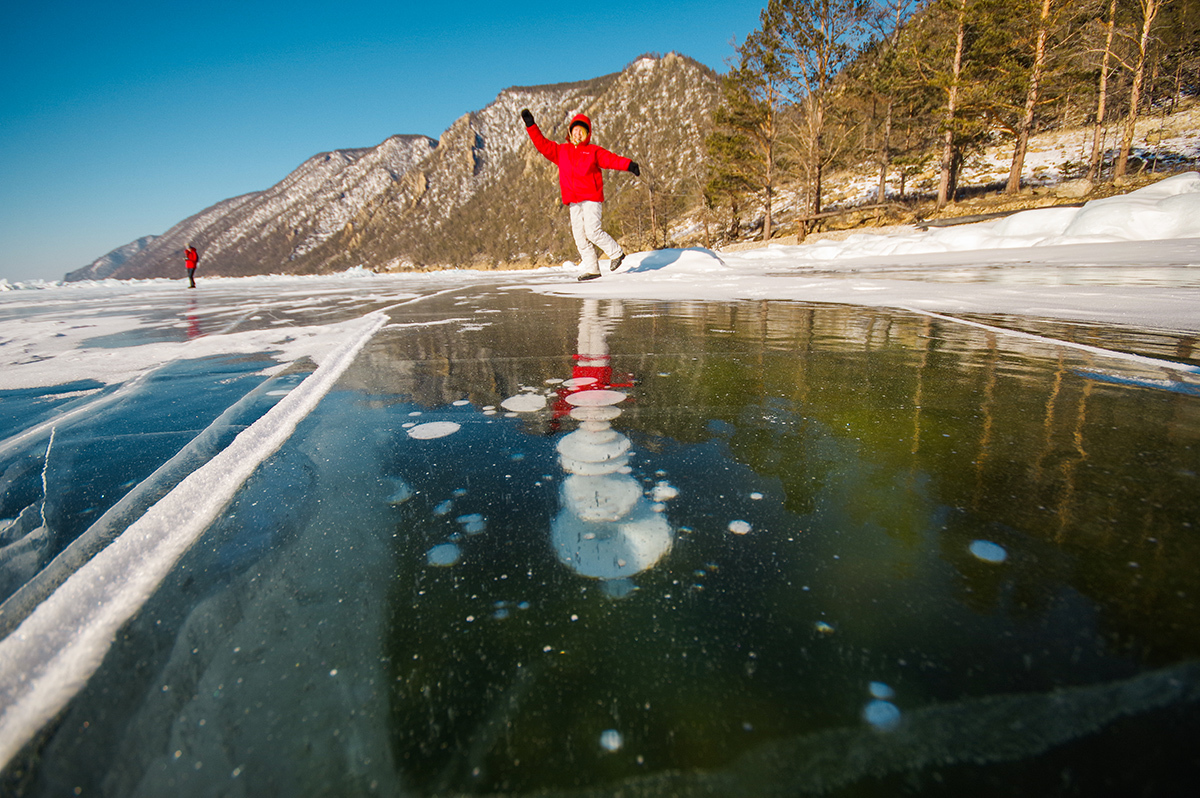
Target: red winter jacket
[
  {"x": 192, "y": 257},
  {"x": 579, "y": 166}
]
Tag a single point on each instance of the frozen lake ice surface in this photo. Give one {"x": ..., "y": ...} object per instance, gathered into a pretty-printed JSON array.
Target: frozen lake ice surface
[{"x": 911, "y": 513}]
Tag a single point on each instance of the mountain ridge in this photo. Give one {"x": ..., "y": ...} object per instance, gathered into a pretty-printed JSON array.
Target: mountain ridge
[{"x": 479, "y": 195}]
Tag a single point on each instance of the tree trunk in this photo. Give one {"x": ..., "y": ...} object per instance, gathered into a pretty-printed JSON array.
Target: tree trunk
[
  {"x": 945, "y": 191},
  {"x": 1097, "y": 132},
  {"x": 770, "y": 193},
  {"x": 1149, "y": 12},
  {"x": 1031, "y": 98},
  {"x": 885, "y": 154}
]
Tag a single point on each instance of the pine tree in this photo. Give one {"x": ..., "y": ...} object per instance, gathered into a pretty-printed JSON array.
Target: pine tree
[{"x": 744, "y": 146}]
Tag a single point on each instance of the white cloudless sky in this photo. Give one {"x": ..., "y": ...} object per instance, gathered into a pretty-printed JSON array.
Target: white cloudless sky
[{"x": 120, "y": 120}]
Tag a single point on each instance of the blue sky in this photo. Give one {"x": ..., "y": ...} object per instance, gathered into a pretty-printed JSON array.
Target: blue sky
[{"x": 120, "y": 120}]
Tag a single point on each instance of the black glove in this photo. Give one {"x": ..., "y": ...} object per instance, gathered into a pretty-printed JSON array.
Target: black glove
[
  {"x": 527, "y": 117},
  {"x": 633, "y": 167}
]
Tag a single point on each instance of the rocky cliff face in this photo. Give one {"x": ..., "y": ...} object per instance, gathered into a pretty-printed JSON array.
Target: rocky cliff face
[{"x": 479, "y": 196}]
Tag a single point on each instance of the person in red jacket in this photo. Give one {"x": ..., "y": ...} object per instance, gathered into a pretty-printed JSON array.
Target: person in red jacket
[
  {"x": 191, "y": 257},
  {"x": 579, "y": 163}
]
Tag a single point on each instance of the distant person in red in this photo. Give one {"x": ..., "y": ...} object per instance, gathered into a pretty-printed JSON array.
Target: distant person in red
[
  {"x": 579, "y": 163},
  {"x": 192, "y": 257}
]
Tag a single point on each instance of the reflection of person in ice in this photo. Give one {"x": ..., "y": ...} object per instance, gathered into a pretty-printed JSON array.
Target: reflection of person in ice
[
  {"x": 606, "y": 527},
  {"x": 193, "y": 320},
  {"x": 593, "y": 366}
]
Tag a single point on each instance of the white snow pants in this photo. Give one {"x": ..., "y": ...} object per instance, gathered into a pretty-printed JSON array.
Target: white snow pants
[{"x": 585, "y": 225}]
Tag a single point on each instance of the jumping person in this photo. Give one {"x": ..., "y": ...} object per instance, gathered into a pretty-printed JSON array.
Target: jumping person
[
  {"x": 579, "y": 163},
  {"x": 191, "y": 257}
]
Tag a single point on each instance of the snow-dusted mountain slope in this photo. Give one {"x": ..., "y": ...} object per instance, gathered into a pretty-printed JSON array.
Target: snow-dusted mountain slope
[
  {"x": 264, "y": 231},
  {"x": 479, "y": 195}
]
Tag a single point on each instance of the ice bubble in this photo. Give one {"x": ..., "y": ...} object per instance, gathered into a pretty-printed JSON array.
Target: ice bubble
[
  {"x": 443, "y": 554},
  {"x": 739, "y": 527},
  {"x": 618, "y": 588},
  {"x": 599, "y": 416},
  {"x": 443, "y": 507},
  {"x": 402, "y": 493},
  {"x": 823, "y": 628},
  {"x": 664, "y": 491},
  {"x": 473, "y": 524},
  {"x": 461, "y": 403},
  {"x": 524, "y": 403},
  {"x": 596, "y": 398},
  {"x": 577, "y": 382},
  {"x": 988, "y": 551},
  {"x": 434, "y": 429},
  {"x": 500, "y": 614},
  {"x": 756, "y": 496},
  {"x": 883, "y": 715},
  {"x": 611, "y": 740},
  {"x": 881, "y": 690}
]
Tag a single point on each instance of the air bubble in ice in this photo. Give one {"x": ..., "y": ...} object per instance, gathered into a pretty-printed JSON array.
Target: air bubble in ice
[
  {"x": 618, "y": 588},
  {"x": 472, "y": 524},
  {"x": 402, "y": 493},
  {"x": 524, "y": 403},
  {"x": 883, "y": 715},
  {"x": 739, "y": 527},
  {"x": 664, "y": 491},
  {"x": 611, "y": 740},
  {"x": 988, "y": 552},
  {"x": 881, "y": 690},
  {"x": 434, "y": 429},
  {"x": 443, "y": 554}
]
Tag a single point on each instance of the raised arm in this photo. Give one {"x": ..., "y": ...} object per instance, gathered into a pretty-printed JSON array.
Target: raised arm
[{"x": 544, "y": 145}]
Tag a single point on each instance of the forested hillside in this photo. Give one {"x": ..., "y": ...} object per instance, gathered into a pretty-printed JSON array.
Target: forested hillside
[{"x": 911, "y": 91}]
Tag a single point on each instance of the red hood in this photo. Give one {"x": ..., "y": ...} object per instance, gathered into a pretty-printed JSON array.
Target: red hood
[{"x": 583, "y": 120}]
